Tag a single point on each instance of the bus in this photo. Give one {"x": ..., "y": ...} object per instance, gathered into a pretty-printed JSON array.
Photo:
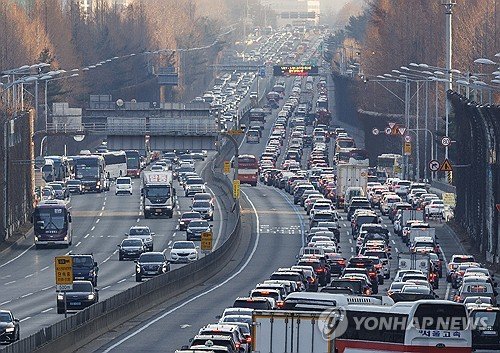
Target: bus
[
  {"x": 248, "y": 169},
  {"x": 48, "y": 171},
  {"x": 61, "y": 167},
  {"x": 91, "y": 171},
  {"x": 116, "y": 164},
  {"x": 257, "y": 114},
  {"x": 133, "y": 163},
  {"x": 52, "y": 224},
  {"x": 352, "y": 156},
  {"x": 431, "y": 326},
  {"x": 389, "y": 165}
]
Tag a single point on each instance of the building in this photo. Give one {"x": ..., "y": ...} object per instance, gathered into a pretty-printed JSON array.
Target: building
[{"x": 295, "y": 12}]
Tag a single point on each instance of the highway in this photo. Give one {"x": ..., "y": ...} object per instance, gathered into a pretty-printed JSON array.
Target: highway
[{"x": 100, "y": 222}]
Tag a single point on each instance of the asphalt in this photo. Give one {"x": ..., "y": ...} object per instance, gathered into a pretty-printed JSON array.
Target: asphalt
[{"x": 100, "y": 222}]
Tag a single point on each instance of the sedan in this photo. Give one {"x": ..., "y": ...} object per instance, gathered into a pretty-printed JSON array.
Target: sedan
[
  {"x": 151, "y": 264},
  {"x": 130, "y": 248},
  {"x": 144, "y": 233},
  {"x": 9, "y": 327},
  {"x": 196, "y": 227},
  {"x": 186, "y": 218},
  {"x": 204, "y": 208},
  {"x": 82, "y": 295},
  {"x": 183, "y": 251}
]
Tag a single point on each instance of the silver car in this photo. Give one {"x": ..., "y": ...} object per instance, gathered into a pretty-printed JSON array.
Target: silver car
[{"x": 144, "y": 233}]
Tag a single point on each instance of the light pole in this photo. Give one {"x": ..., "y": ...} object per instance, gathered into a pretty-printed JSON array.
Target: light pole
[
  {"x": 48, "y": 78},
  {"x": 449, "y": 52}
]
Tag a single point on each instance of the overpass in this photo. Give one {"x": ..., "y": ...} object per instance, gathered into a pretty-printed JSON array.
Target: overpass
[{"x": 126, "y": 125}]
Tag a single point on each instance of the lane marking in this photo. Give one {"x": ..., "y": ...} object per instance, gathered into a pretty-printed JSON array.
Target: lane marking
[
  {"x": 102, "y": 209},
  {"x": 92, "y": 229},
  {"x": 43, "y": 269},
  {"x": 26, "y": 318},
  {"x": 352, "y": 249},
  {"x": 154, "y": 321},
  {"x": 46, "y": 310},
  {"x": 220, "y": 221},
  {"x": 86, "y": 236},
  {"x": 17, "y": 257},
  {"x": 173, "y": 235},
  {"x": 26, "y": 295},
  {"x": 98, "y": 220},
  {"x": 393, "y": 241},
  {"x": 78, "y": 244},
  {"x": 122, "y": 280},
  {"x": 138, "y": 219},
  {"x": 6, "y": 284},
  {"x": 47, "y": 288},
  {"x": 106, "y": 287},
  {"x": 7, "y": 302},
  {"x": 28, "y": 276},
  {"x": 350, "y": 241},
  {"x": 170, "y": 242}
]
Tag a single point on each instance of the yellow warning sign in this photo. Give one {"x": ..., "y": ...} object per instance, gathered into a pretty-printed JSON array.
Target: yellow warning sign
[
  {"x": 236, "y": 189},
  {"x": 446, "y": 166},
  {"x": 407, "y": 149},
  {"x": 227, "y": 167},
  {"x": 206, "y": 241},
  {"x": 64, "y": 272},
  {"x": 449, "y": 199}
]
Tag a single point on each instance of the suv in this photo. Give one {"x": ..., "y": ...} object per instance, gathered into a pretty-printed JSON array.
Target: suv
[
  {"x": 85, "y": 268},
  {"x": 83, "y": 295},
  {"x": 204, "y": 208},
  {"x": 151, "y": 264},
  {"x": 9, "y": 329},
  {"x": 123, "y": 186},
  {"x": 144, "y": 233}
]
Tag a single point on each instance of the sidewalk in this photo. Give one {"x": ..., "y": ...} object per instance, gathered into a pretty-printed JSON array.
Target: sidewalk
[{"x": 25, "y": 231}]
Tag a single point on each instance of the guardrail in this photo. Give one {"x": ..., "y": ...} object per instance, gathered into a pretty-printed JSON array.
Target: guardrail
[{"x": 78, "y": 330}]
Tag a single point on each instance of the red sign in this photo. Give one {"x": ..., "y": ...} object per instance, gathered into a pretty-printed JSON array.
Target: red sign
[{"x": 498, "y": 207}]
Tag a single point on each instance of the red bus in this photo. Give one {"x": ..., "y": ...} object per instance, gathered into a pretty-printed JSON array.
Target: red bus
[
  {"x": 248, "y": 169},
  {"x": 133, "y": 163}
]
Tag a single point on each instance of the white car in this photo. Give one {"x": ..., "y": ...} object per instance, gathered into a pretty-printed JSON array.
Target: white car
[
  {"x": 123, "y": 186},
  {"x": 183, "y": 251},
  {"x": 434, "y": 208}
]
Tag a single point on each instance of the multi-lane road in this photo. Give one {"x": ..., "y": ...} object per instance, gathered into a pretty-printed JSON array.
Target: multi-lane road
[{"x": 100, "y": 222}]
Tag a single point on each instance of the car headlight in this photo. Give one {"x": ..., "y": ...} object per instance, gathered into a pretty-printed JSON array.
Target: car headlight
[
  {"x": 65, "y": 238},
  {"x": 148, "y": 207},
  {"x": 36, "y": 238},
  {"x": 60, "y": 296},
  {"x": 91, "y": 272},
  {"x": 181, "y": 222},
  {"x": 9, "y": 329},
  {"x": 189, "y": 230},
  {"x": 98, "y": 183},
  {"x": 91, "y": 296},
  {"x": 138, "y": 269}
]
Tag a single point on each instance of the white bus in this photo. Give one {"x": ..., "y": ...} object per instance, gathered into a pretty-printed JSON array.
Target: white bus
[
  {"x": 431, "y": 326},
  {"x": 116, "y": 164}
]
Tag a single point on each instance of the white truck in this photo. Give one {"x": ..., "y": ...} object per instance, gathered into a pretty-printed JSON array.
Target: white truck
[
  {"x": 421, "y": 230},
  {"x": 350, "y": 175},
  {"x": 414, "y": 261},
  {"x": 158, "y": 194},
  {"x": 289, "y": 331},
  {"x": 407, "y": 215}
]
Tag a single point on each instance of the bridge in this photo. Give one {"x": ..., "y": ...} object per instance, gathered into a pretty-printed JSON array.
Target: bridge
[{"x": 126, "y": 125}]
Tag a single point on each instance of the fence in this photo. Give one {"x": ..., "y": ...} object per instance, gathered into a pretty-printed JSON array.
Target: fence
[
  {"x": 16, "y": 171},
  {"x": 77, "y": 330},
  {"x": 476, "y": 173}
]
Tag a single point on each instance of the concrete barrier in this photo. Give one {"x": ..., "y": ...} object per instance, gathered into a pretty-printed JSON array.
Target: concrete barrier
[{"x": 78, "y": 330}]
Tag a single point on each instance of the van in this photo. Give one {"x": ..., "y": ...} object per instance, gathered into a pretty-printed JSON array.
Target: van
[{"x": 350, "y": 192}]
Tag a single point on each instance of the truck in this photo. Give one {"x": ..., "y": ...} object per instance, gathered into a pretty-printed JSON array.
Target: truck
[
  {"x": 158, "y": 194},
  {"x": 421, "y": 230},
  {"x": 350, "y": 175},
  {"x": 407, "y": 215},
  {"x": 414, "y": 261},
  {"x": 289, "y": 331}
]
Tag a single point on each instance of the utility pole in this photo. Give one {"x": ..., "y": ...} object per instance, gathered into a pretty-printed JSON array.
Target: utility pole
[{"x": 449, "y": 51}]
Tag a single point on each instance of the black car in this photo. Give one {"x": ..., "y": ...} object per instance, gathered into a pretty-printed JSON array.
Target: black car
[
  {"x": 130, "y": 248},
  {"x": 83, "y": 295},
  {"x": 151, "y": 264},
  {"x": 9, "y": 327},
  {"x": 85, "y": 268},
  {"x": 196, "y": 227}
]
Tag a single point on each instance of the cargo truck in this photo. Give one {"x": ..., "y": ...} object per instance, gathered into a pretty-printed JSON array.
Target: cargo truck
[
  {"x": 350, "y": 175},
  {"x": 158, "y": 194}
]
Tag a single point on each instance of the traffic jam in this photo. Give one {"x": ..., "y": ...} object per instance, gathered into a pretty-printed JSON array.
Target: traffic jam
[{"x": 370, "y": 246}]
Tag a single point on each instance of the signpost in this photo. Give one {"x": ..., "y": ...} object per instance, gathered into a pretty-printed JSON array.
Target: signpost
[
  {"x": 235, "y": 132},
  {"x": 445, "y": 141},
  {"x": 295, "y": 70},
  {"x": 407, "y": 149},
  {"x": 434, "y": 165},
  {"x": 206, "y": 241},
  {"x": 64, "y": 276},
  {"x": 227, "y": 167},
  {"x": 236, "y": 189},
  {"x": 446, "y": 166},
  {"x": 388, "y": 131},
  {"x": 375, "y": 131},
  {"x": 449, "y": 199}
]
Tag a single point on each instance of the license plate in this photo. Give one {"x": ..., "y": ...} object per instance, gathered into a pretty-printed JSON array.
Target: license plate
[
  {"x": 150, "y": 272},
  {"x": 489, "y": 333},
  {"x": 75, "y": 303},
  {"x": 158, "y": 210}
]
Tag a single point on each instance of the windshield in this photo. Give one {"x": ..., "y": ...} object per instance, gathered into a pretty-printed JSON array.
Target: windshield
[
  {"x": 198, "y": 224},
  {"x": 81, "y": 287},
  {"x": 56, "y": 186},
  {"x": 183, "y": 245},
  {"x": 123, "y": 181},
  {"x": 194, "y": 181},
  {"x": 157, "y": 191},
  {"x": 139, "y": 231},
  {"x": 5, "y": 317},
  {"x": 201, "y": 204},
  {"x": 151, "y": 258},
  {"x": 132, "y": 242},
  {"x": 84, "y": 171},
  {"x": 50, "y": 219},
  {"x": 84, "y": 261},
  {"x": 74, "y": 182}
]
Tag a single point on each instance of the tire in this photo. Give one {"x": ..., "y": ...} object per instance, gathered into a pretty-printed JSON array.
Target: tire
[
  {"x": 211, "y": 218},
  {"x": 60, "y": 311},
  {"x": 138, "y": 278},
  {"x": 120, "y": 258},
  {"x": 381, "y": 280},
  {"x": 147, "y": 215}
]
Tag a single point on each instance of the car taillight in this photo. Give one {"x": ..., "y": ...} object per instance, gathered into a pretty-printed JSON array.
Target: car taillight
[
  {"x": 249, "y": 339},
  {"x": 320, "y": 270},
  {"x": 280, "y": 304},
  {"x": 378, "y": 266},
  {"x": 238, "y": 345},
  {"x": 372, "y": 274},
  {"x": 311, "y": 280}
]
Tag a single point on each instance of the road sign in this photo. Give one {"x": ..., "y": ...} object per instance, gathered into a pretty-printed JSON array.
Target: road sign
[
  {"x": 449, "y": 199},
  {"x": 227, "y": 167},
  {"x": 407, "y": 149},
  {"x": 446, "y": 141},
  {"x": 39, "y": 162},
  {"x": 388, "y": 131},
  {"x": 234, "y": 132},
  {"x": 64, "y": 272},
  {"x": 206, "y": 241},
  {"x": 434, "y": 165},
  {"x": 407, "y": 138},
  {"x": 375, "y": 131},
  {"x": 391, "y": 125},
  {"x": 402, "y": 130},
  {"x": 446, "y": 166},
  {"x": 262, "y": 72},
  {"x": 236, "y": 189}
]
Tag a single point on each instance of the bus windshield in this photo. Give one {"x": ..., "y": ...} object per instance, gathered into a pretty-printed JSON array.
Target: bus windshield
[
  {"x": 50, "y": 219},
  {"x": 86, "y": 171}
]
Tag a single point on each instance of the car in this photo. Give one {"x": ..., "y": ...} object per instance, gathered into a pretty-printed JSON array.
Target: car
[
  {"x": 82, "y": 295},
  {"x": 204, "y": 208},
  {"x": 228, "y": 330},
  {"x": 434, "y": 208},
  {"x": 74, "y": 186},
  {"x": 196, "y": 227},
  {"x": 258, "y": 303},
  {"x": 130, "y": 248},
  {"x": 183, "y": 251},
  {"x": 144, "y": 233},
  {"x": 85, "y": 267},
  {"x": 9, "y": 327},
  {"x": 60, "y": 190},
  {"x": 194, "y": 185},
  {"x": 204, "y": 196},
  {"x": 123, "y": 185},
  {"x": 202, "y": 341},
  {"x": 151, "y": 264},
  {"x": 186, "y": 218},
  {"x": 48, "y": 193}
]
